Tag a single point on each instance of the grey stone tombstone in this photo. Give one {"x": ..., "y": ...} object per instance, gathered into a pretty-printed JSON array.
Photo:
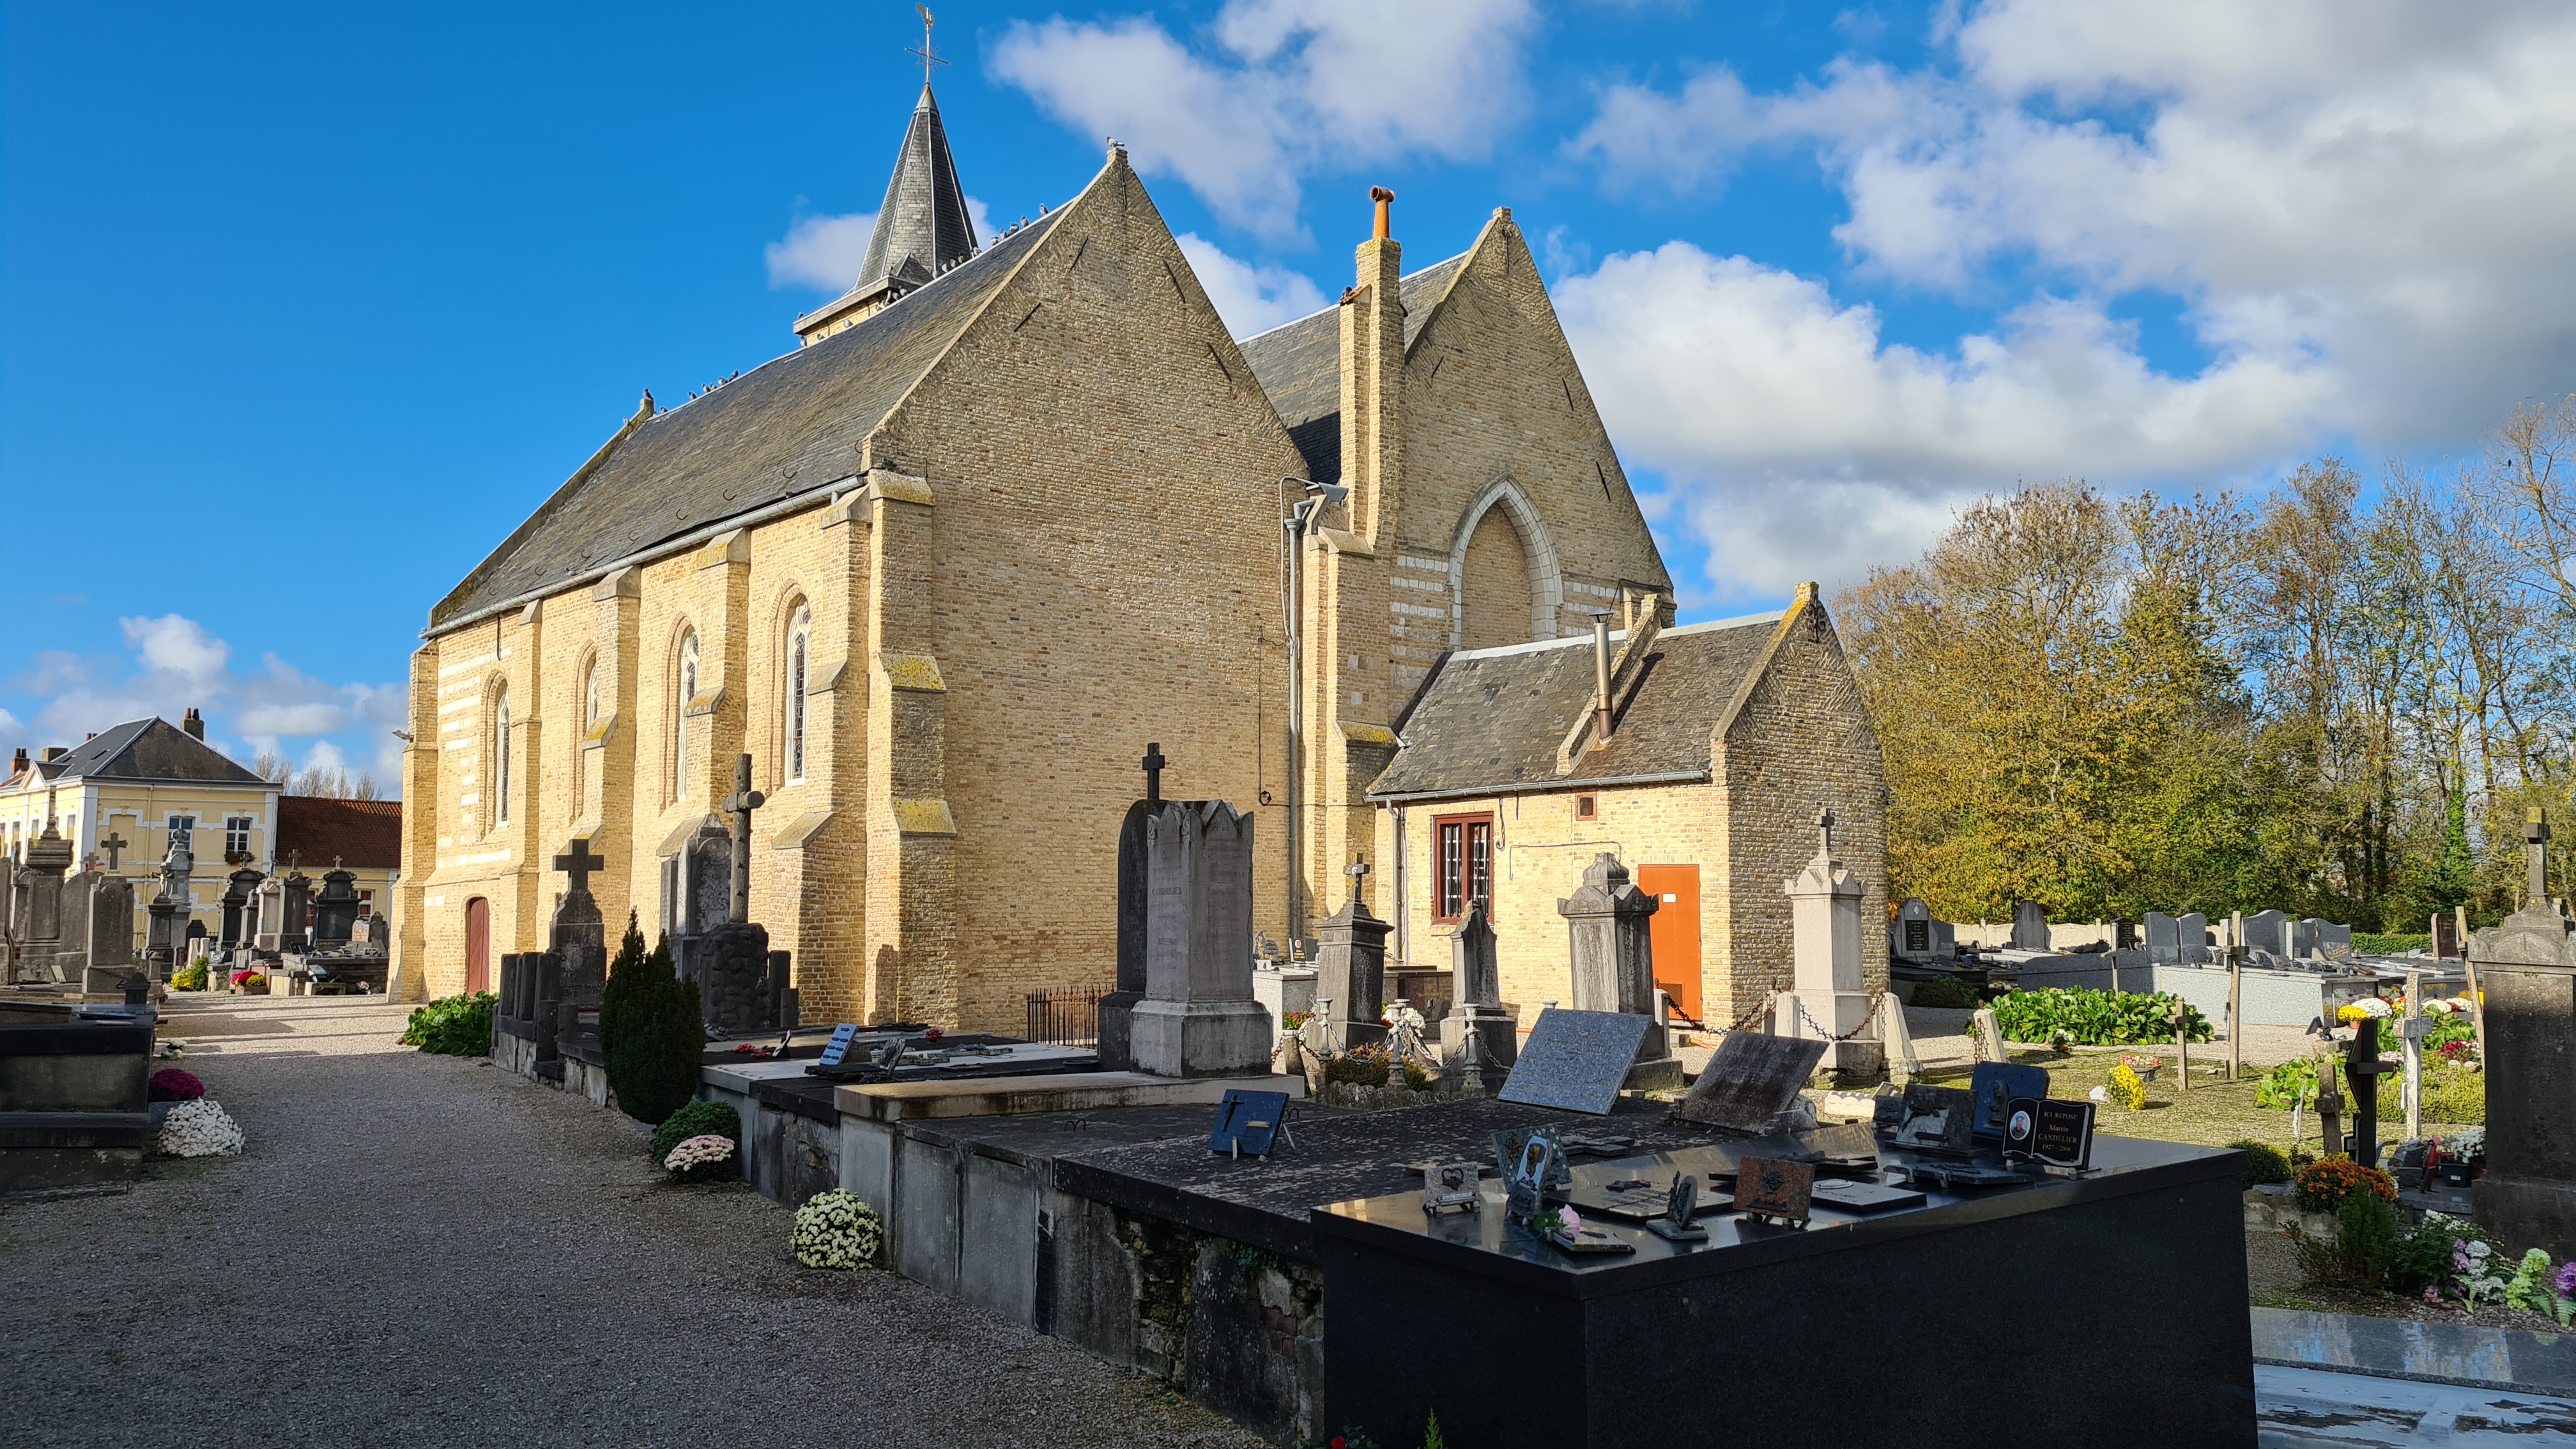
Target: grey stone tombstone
[
  {"x": 2194, "y": 931},
  {"x": 2526, "y": 966},
  {"x": 2268, "y": 931},
  {"x": 1118, "y": 1007},
  {"x": 167, "y": 944},
  {"x": 697, "y": 891},
  {"x": 111, "y": 925},
  {"x": 1914, "y": 928},
  {"x": 1475, "y": 975},
  {"x": 1350, "y": 968},
  {"x": 1751, "y": 1078},
  {"x": 299, "y": 897},
  {"x": 72, "y": 904},
  {"x": 335, "y": 910},
  {"x": 2334, "y": 942},
  {"x": 2164, "y": 939},
  {"x": 578, "y": 937},
  {"x": 1578, "y": 1060},
  {"x": 40, "y": 875},
  {"x": 1199, "y": 1017},
  {"x": 268, "y": 912},
  {"x": 237, "y": 925},
  {"x": 732, "y": 958},
  {"x": 2030, "y": 927},
  {"x": 1607, "y": 922}
]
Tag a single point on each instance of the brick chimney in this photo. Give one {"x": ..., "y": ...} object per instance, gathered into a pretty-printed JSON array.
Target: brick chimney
[
  {"x": 1373, "y": 375},
  {"x": 18, "y": 766},
  {"x": 194, "y": 723}
]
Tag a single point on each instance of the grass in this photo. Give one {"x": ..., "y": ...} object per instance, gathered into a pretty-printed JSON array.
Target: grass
[{"x": 2213, "y": 1113}]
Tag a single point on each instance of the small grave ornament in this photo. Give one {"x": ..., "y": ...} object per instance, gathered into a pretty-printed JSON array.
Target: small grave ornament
[
  {"x": 838, "y": 1048},
  {"x": 1249, "y": 1123},
  {"x": 1775, "y": 1191},
  {"x": 1680, "y": 1204},
  {"x": 2052, "y": 1133},
  {"x": 1450, "y": 1187}
]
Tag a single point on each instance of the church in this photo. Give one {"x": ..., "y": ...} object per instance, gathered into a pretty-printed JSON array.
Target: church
[{"x": 1019, "y": 506}]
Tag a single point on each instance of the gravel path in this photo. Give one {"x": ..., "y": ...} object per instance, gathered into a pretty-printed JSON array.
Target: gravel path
[{"x": 430, "y": 1251}]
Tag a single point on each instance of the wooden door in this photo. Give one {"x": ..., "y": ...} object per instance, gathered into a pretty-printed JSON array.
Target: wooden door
[
  {"x": 1674, "y": 932},
  {"x": 478, "y": 946}
]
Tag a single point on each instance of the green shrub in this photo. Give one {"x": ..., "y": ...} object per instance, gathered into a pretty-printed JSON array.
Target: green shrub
[
  {"x": 1357, "y": 1069},
  {"x": 1946, "y": 993},
  {"x": 2366, "y": 1242},
  {"x": 191, "y": 979},
  {"x": 2094, "y": 1018},
  {"x": 2452, "y": 1095},
  {"x": 2287, "y": 1085},
  {"x": 651, "y": 1036},
  {"x": 2390, "y": 943},
  {"x": 453, "y": 1026},
  {"x": 2263, "y": 1162},
  {"x": 2421, "y": 1258},
  {"x": 696, "y": 1119}
]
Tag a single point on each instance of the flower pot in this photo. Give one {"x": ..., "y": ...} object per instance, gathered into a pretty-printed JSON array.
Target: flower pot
[
  {"x": 160, "y": 1113},
  {"x": 2148, "y": 1074}
]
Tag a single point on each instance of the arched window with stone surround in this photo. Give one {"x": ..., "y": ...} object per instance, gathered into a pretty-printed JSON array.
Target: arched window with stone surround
[
  {"x": 586, "y": 711},
  {"x": 1505, "y": 587},
  {"x": 501, "y": 755},
  {"x": 685, "y": 680},
  {"x": 800, "y": 632}
]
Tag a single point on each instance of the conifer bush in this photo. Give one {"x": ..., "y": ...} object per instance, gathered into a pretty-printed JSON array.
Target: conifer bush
[{"x": 651, "y": 1036}]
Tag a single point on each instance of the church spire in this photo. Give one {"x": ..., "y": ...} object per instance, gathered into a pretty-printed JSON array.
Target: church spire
[{"x": 922, "y": 229}]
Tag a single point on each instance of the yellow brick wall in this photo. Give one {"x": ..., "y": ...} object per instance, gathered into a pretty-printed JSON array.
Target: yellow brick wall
[{"x": 1494, "y": 592}]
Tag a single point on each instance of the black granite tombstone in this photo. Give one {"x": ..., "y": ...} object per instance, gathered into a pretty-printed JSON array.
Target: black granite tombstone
[{"x": 1751, "y": 1079}]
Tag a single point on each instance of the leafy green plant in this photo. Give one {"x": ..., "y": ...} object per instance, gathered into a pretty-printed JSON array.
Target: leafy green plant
[
  {"x": 696, "y": 1119},
  {"x": 1946, "y": 993},
  {"x": 651, "y": 1036},
  {"x": 191, "y": 979},
  {"x": 2451, "y": 1095},
  {"x": 1432, "y": 1438},
  {"x": 2095, "y": 1018},
  {"x": 1418, "y": 1079},
  {"x": 1358, "y": 1069},
  {"x": 2422, "y": 1256},
  {"x": 2287, "y": 1085},
  {"x": 2390, "y": 943},
  {"x": 2366, "y": 1243},
  {"x": 2263, "y": 1162},
  {"x": 453, "y": 1026}
]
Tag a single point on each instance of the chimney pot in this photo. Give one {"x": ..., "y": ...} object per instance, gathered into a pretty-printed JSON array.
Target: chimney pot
[
  {"x": 1601, "y": 678},
  {"x": 1384, "y": 199},
  {"x": 194, "y": 723}
]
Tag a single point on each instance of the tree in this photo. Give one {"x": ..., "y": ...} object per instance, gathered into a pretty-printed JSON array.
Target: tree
[{"x": 652, "y": 1038}]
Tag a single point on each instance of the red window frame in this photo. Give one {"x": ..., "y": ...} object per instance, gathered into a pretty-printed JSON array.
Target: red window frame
[{"x": 1462, "y": 864}]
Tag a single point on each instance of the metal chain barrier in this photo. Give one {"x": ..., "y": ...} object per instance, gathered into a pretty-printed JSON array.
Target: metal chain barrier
[{"x": 1818, "y": 1027}]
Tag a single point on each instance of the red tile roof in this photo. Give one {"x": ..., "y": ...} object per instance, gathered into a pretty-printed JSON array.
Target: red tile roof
[{"x": 365, "y": 834}]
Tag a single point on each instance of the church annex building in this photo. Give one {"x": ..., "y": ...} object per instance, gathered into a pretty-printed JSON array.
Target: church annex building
[{"x": 1019, "y": 506}]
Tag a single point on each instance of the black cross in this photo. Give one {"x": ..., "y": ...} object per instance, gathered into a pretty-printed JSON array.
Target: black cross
[
  {"x": 2535, "y": 853},
  {"x": 1154, "y": 763},
  {"x": 577, "y": 862},
  {"x": 112, "y": 845},
  {"x": 1825, "y": 832},
  {"x": 739, "y": 805}
]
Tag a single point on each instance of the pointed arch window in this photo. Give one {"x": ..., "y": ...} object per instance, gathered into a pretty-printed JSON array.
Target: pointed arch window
[
  {"x": 687, "y": 681},
  {"x": 501, "y": 756},
  {"x": 799, "y": 656},
  {"x": 589, "y": 714}
]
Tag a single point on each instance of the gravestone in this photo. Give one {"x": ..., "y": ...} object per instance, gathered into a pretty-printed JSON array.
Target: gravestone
[
  {"x": 2164, "y": 940},
  {"x": 1830, "y": 1000},
  {"x": 1199, "y": 1017},
  {"x": 2526, "y": 966},
  {"x": 167, "y": 942},
  {"x": 1350, "y": 968},
  {"x": 2446, "y": 936},
  {"x": 2030, "y": 926},
  {"x": 2194, "y": 931},
  {"x": 335, "y": 910},
  {"x": 268, "y": 913},
  {"x": 1751, "y": 1079},
  {"x": 697, "y": 889},
  {"x": 1577, "y": 1060},
  {"x": 735, "y": 983},
  {"x": 1117, "y": 1009},
  {"x": 2268, "y": 931},
  {"x": 299, "y": 896},
  {"x": 578, "y": 935},
  {"x": 1920, "y": 933},
  {"x": 237, "y": 924},
  {"x": 2334, "y": 942},
  {"x": 108, "y": 934},
  {"x": 1607, "y": 922},
  {"x": 1475, "y": 975},
  {"x": 40, "y": 917}
]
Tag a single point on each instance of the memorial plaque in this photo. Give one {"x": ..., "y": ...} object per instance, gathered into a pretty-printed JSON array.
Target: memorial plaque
[
  {"x": 1528, "y": 1173},
  {"x": 1450, "y": 1187},
  {"x": 839, "y": 1046},
  {"x": 1751, "y": 1079},
  {"x": 1995, "y": 1086},
  {"x": 1247, "y": 1123},
  {"x": 2050, "y": 1132},
  {"x": 1681, "y": 1203},
  {"x": 1866, "y": 1197},
  {"x": 1770, "y": 1188},
  {"x": 1577, "y": 1060},
  {"x": 1511, "y": 1145},
  {"x": 1937, "y": 1119}
]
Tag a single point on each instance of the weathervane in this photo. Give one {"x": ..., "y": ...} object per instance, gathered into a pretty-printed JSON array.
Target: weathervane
[{"x": 929, "y": 54}]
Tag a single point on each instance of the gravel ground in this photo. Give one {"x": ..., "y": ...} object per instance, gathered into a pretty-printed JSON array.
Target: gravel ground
[{"x": 428, "y": 1250}]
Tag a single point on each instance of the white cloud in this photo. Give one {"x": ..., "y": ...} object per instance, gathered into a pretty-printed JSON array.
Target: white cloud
[
  {"x": 825, "y": 252},
  {"x": 1802, "y": 445},
  {"x": 178, "y": 647},
  {"x": 1278, "y": 86},
  {"x": 2363, "y": 211},
  {"x": 269, "y": 721},
  {"x": 1251, "y": 297}
]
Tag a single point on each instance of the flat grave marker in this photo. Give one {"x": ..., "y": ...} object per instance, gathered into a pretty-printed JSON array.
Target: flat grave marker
[
  {"x": 1577, "y": 1060},
  {"x": 1750, "y": 1080}
]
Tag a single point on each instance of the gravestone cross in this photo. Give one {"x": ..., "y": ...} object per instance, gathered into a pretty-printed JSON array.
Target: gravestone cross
[
  {"x": 1825, "y": 833},
  {"x": 2535, "y": 855},
  {"x": 335, "y": 862},
  {"x": 1357, "y": 870},
  {"x": 112, "y": 844},
  {"x": 576, "y": 862},
  {"x": 739, "y": 805},
  {"x": 294, "y": 859},
  {"x": 1154, "y": 763}
]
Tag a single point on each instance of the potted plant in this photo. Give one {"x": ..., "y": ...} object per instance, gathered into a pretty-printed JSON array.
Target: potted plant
[{"x": 2145, "y": 1066}]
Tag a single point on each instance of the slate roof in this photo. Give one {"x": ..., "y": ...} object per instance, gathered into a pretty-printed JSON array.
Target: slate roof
[
  {"x": 144, "y": 749},
  {"x": 923, "y": 219},
  {"x": 365, "y": 834},
  {"x": 1491, "y": 720},
  {"x": 789, "y": 426},
  {"x": 1299, "y": 364}
]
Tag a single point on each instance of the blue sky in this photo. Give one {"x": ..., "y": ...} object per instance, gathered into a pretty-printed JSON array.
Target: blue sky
[{"x": 302, "y": 308}]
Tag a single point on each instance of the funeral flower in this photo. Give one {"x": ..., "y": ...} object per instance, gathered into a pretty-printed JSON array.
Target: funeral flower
[
  {"x": 201, "y": 1128},
  {"x": 709, "y": 1154},
  {"x": 837, "y": 1230}
]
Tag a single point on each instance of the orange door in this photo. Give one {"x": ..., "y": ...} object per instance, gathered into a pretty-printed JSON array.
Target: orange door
[
  {"x": 478, "y": 946},
  {"x": 1674, "y": 932}
]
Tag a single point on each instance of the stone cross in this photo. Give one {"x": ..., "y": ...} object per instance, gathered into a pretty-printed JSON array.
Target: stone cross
[
  {"x": 295, "y": 860},
  {"x": 739, "y": 805},
  {"x": 112, "y": 844},
  {"x": 1825, "y": 833},
  {"x": 577, "y": 862},
  {"x": 2535, "y": 855},
  {"x": 1358, "y": 871},
  {"x": 335, "y": 862},
  {"x": 1154, "y": 763}
]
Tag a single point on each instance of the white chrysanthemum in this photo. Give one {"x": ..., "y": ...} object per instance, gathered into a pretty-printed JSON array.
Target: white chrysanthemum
[
  {"x": 201, "y": 1128},
  {"x": 837, "y": 1230}
]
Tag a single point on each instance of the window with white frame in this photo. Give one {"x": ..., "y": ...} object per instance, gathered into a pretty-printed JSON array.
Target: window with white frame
[
  {"x": 183, "y": 829},
  {"x": 237, "y": 830}
]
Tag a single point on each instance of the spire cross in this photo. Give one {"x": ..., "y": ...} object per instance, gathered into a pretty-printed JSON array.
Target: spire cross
[
  {"x": 112, "y": 844},
  {"x": 928, "y": 53}
]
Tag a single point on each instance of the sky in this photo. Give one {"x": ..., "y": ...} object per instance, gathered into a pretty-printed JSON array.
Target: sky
[{"x": 304, "y": 308}]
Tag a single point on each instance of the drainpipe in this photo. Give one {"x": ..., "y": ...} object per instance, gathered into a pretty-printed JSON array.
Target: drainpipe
[{"x": 1601, "y": 678}]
